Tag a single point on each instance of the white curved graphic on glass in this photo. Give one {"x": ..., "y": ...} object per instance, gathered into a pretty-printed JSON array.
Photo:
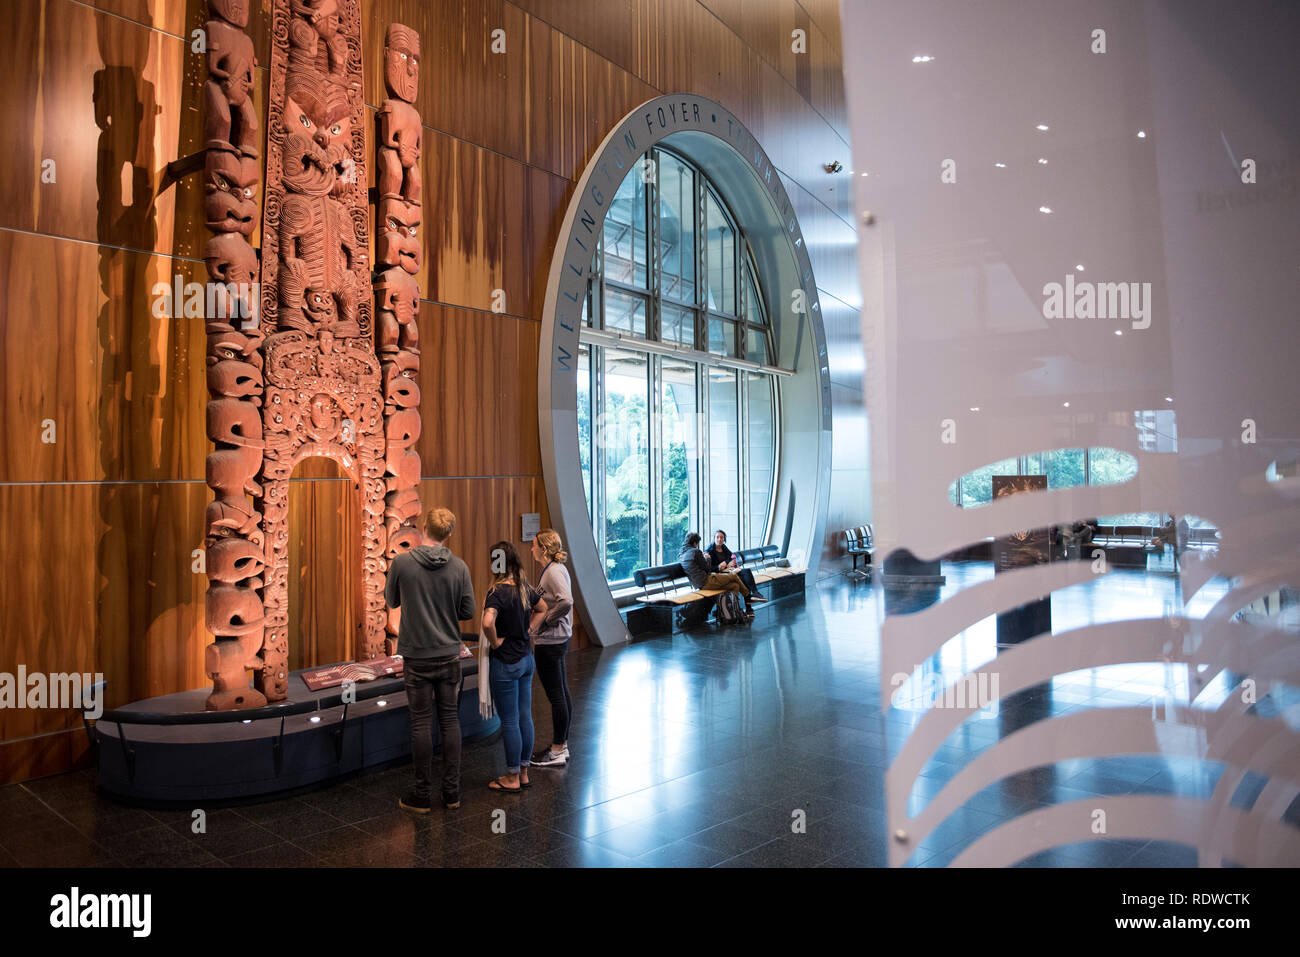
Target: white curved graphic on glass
[{"x": 1092, "y": 253}]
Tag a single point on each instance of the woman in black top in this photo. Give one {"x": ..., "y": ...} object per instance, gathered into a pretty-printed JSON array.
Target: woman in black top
[
  {"x": 723, "y": 559},
  {"x": 512, "y": 609}
]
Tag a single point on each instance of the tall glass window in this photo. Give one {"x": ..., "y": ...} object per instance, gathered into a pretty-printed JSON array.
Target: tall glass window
[
  {"x": 624, "y": 437},
  {"x": 676, "y": 433},
  {"x": 679, "y": 504},
  {"x": 724, "y": 446}
]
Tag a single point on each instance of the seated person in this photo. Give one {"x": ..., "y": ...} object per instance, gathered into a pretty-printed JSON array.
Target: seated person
[
  {"x": 723, "y": 559},
  {"x": 697, "y": 570}
]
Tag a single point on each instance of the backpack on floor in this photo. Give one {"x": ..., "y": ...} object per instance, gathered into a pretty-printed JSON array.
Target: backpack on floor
[{"x": 728, "y": 608}]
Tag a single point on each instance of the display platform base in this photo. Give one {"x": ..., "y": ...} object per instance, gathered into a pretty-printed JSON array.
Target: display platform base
[{"x": 167, "y": 751}]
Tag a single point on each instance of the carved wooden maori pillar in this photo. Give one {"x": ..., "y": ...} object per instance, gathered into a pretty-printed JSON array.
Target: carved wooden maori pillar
[
  {"x": 397, "y": 292},
  {"x": 324, "y": 386},
  {"x": 233, "y": 536}
]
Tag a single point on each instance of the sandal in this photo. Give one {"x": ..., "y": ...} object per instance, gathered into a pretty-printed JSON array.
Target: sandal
[{"x": 496, "y": 785}]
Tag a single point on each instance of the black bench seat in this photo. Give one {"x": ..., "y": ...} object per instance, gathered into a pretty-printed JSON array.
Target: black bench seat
[{"x": 669, "y": 602}]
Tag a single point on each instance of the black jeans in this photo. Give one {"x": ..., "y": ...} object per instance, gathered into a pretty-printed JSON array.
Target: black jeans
[
  {"x": 555, "y": 680},
  {"x": 428, "y": 681}
]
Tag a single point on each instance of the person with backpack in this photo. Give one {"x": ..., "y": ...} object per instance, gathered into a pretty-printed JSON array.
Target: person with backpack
[
  {"x": 432, "y": 588},
  {"x": 551, "y": 644},
  {"x": 511, "y": 612},
  {"x": 697, "y": 569}
]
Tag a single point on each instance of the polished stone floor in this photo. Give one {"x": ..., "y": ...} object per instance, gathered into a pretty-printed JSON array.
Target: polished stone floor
[{"x": 690, "y": 750}]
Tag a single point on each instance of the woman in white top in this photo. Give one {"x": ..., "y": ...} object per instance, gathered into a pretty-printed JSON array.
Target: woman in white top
[{"x": 551, "y": 644}]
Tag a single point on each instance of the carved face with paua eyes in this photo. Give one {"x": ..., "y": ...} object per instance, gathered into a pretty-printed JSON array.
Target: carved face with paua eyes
[
  {"x": 230, "y": 187},
  {"x": 399, "y": 239},
  {"x": 402, "y": 62},
  {"x": 318, "y": 112},
  {"x": 320, "y": 306}
]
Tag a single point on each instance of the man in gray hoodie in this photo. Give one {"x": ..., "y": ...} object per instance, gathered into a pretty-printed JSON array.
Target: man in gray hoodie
[{"x": 432, "y": 588}]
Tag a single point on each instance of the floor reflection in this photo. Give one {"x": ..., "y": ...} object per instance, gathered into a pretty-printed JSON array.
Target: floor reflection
[{"x": 757, "y": 745}]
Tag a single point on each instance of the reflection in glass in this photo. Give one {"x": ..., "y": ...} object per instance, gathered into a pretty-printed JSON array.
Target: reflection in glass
[
  {"x": 676, "y": 229},
  {"x": 677, "y": 325},
  {"x": 624, "y": 312},
  {"x": 625, "y": 233},
  {"x": 623, "y": 433},
  {"x": 722, "y": 337},
  {"x": 720, "y": 237}
]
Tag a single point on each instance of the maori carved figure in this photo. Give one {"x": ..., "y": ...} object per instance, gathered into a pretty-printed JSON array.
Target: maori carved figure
[
  {"x": 397, "y": 295},
  {"x": 231, "y": 119},
  {"x": 324, "y": 386},
  {"x": 233, "y": 538},
  {"x": 400, "y": 127}
]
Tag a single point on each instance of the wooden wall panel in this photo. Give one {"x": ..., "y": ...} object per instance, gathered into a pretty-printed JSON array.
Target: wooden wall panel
[
  {"x": 74, "y": 68},
  {"x": 101, "y": 577},
  {"x": 79, "y": 345},
  {"x": 478, "y": 393}
]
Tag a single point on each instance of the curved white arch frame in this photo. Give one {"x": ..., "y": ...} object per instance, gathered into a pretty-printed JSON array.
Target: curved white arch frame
[{"x": 711, "y": 136}]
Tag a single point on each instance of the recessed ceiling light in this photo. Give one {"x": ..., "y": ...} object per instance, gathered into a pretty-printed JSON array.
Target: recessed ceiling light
[
  {"x": 1066, "y": 404},
  {"x": 1042, "y": 127},
  {"x": 866, "y": 174},
  {"x": 1041, "y": 161},
  {"x": 1044, "y": 209},
  {"x": 974, "y": 408},
  {"x": 1000, "y": 165},
  {"x": 1169, "y": 398},
  {"x": 1142, "y": 134},
  {"x": 924, "y": 58},
  {"x": 314, "y": 719},
  {"x": 1119, "y": 332},
  {"x": 1079, "y": 266}
]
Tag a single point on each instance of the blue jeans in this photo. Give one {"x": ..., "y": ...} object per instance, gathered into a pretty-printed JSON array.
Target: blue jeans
[{"x": 512, "y": 695}]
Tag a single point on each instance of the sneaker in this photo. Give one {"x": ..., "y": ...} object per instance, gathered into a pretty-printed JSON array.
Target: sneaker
[
  {"x": 551, "y": 759},
  {"x": 450, "y": 803},
  {"x": 412, "y": 802},
  {"x": 755, "y": 596}
]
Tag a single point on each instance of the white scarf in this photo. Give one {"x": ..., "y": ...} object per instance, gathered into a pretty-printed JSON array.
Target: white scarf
[{"x": 484, "y": 689}]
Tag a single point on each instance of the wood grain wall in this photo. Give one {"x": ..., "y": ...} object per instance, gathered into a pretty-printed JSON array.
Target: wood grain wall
[{"x": 98, "y": 527}]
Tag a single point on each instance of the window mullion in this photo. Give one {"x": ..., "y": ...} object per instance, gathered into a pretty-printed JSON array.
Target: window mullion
[
  {"x": 656, "y": 463},
  {"x": 598, "y": 428},
  {"x": 742, "y": 457},
  {"x": 654, "y": 277}
]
